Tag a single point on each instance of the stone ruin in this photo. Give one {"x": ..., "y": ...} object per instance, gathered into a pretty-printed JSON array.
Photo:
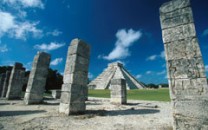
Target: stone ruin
[
  {"x": 2, "y": 79},
  {"x": 56, "y": 94},
  {"x": 5, "y": 84},
  {"x": 186, "y": 72},
  {"x": 115, "y": 70},
  {"x": 118, "y": 91},
  {"x": 37, "y": 79},
  {"x": 74, "y": 88},
  {"x": 15, "y": 82}
]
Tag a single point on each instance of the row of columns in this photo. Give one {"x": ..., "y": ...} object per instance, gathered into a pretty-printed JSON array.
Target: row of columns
[{"x": 12, "y": 82}]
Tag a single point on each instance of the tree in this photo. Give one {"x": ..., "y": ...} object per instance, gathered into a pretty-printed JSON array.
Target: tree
[
  {"x": 152, "y": 86},
  {"x": 54, "y": 80},
  {"x": 3, "y": 69}
]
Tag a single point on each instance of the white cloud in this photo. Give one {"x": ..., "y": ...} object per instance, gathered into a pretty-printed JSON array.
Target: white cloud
[
  {"x": 3, "y": 48},
  {"x": 162, "y": 72},
  {"x": 125, "y": 39},
  {"x": 49, "y": 47},
  {"x": 154, "y": 57},
  {"x": 18, "y": 30},
  {"x": 151, "y": 58},
  {"x": 25, "y": 3},
  {"x": 205, "y": 33},
  {"x": 90, "y": 75},
  {"x": 28, "y": 66},
  {"x": 21, "y": 31},
  {"x": 7, "y": 22},
  {"x": 206, "y": 68},
  {"x": 162, "y": 54},
  {"x": 56, "y": 61},
  {"x": 138, "y": 76},
  {"x": 54, "y": 33},
  {"x": 149, "y": 72}
]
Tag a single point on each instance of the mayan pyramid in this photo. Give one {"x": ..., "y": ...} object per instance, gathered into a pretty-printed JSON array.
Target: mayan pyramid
[{"x": 115, "y": 71}]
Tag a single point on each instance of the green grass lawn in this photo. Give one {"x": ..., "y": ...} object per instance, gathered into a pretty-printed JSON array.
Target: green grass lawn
[{"x": 139, "y": 94}]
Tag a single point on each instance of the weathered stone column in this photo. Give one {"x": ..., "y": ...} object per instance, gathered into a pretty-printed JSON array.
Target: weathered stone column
[
  {"x": 73, "y": 93},
  {"x": 6, "y": 83},
  {"x": 15, "y": 82},
  {"x": 2, "y": 79},
  {"x": 37, "y": 79},
  {"x": 186, "y": 72},
  {"x": 118, "y": 91}
]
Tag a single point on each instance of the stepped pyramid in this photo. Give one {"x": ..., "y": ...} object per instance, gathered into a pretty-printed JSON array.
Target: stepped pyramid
[{"x": 114, "y": 71}]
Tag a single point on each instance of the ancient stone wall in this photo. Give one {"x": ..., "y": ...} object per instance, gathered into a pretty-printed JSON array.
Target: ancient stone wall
[
  {"x": 186, "y": 72},
  {"x": 2, "y": 79},
  {"x": 37, "y": 79},
  {"x": 74, "y": 89},
  {"x": 15, "y": 82},
  {"x": 6, "y": 83},
  {"x": 118, "y": 91}
]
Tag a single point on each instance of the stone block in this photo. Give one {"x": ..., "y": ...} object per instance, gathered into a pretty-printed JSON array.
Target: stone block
[
  {"x": 37, "y": 79},
  {"x": 191, "y": 108},
  {"x": 174, "y": 5},
  {"x": 56, "y": 94},
  {"x": 79, "y": 78},
  {"x": 176, "y": 18},
  {"x": 5, "y": 85},
  {"x": 118, "y": 82},
  {"x": 179, "y": 33},
  {"x": 15, "y": 82},
  {"x": 186, "y": 72},
  {"x": 76, "y": 63},
  {"x": 118, "y": 100},
  {"x": 73, "y": 108},
  {"x": 186, "y": 88},
  {"x": 32, "y": 98},
  {"x": 74, "y": 90},
  {"x": 186, "y": 68},
  {"x": 118, "y": 91},
  {"x": 182, "y": 49},
  {"x": 2, "y": 79},
  {"x": 68, "y": 97},
  {"x": 80, "y": 48}
]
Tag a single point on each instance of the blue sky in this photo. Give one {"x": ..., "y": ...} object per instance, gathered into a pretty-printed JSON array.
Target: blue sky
[{"x": 117, "y": 30}]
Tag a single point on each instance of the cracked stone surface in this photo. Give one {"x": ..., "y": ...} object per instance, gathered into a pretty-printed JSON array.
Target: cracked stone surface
[
  {"x": 186, "y": 72},
  {"x": 37, "y": 79},
  {"x": 74, "y": 89},
  {"x": 15, "y": 82}
]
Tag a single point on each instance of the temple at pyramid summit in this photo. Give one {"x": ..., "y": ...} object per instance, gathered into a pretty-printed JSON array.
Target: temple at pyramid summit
[{"x": 115, "y": 71}]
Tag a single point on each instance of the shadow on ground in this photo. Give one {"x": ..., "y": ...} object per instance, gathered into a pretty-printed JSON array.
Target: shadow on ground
[
  {"x": 121, "y": 112},
  {"x": 17, "y": 113}
]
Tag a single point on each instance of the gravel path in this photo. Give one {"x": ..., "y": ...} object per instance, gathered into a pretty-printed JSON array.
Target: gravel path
[{"x": 100, "y": 115}]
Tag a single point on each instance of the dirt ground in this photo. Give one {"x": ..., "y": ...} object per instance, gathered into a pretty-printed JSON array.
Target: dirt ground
[{"x": 100, "y": 115}]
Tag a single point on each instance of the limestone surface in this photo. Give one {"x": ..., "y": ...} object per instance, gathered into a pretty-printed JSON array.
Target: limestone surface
[
  {"x": 6, "y": 83},
  {"x": 16, "y": 82},
  {"x": 118, "y": 91},
  {"x": 74, "y": 89},
  {"x": 2, "y": 79},
  {"x": 186, "y": 72},
  {"x": 37, "y": 79},
  {"x": 56, "y": 94}
]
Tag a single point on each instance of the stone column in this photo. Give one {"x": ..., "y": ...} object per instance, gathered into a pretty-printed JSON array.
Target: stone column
[
  {"x": 75, "y": 80},
  {"x": 186, "y": 72},
  {"x": 118, "y": 91},
  {"x": 5, "y": 85},
  {"x": 37, "y": 79},
  {"x": 15, "y": 82},
  {"x": 2, "y": 79}
]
